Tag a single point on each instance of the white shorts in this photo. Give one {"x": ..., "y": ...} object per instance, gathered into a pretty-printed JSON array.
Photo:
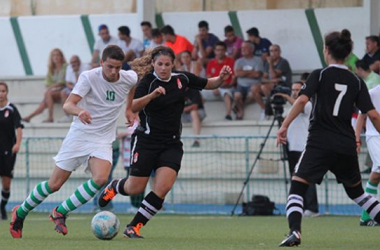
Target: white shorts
[
  {"x": 227, "y": 91},
  {"x": 74, "y": 153},
  {"x": 373, "y": 145}
]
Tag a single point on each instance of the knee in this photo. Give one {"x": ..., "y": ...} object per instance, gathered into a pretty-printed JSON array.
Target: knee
[
  {"x": 374, "y": 178},
  {"x": 101, "y": 180},
  {"x": 54, "y": 187}
]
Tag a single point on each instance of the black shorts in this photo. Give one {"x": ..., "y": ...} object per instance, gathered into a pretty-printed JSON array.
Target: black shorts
[
  {"x": 7, "y": 163},
  {"x": 149, "y": 154},
  {"x": 315, "y": 162}
]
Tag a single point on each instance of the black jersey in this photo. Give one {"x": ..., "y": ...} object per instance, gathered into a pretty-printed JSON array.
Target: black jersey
[
  {"x": 161, "y": 118},
  {"x": 334, "y": 91},
  {"x": 10, "y": 120}
]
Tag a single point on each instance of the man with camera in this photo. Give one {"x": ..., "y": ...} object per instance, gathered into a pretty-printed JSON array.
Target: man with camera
[{"x": 297, "y": 137}]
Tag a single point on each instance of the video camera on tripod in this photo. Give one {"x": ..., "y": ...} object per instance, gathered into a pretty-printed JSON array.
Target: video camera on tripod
[{"x": 276, "y": 102}]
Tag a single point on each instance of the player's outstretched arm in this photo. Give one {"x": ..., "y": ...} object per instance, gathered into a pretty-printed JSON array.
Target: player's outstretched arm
[{"x": 215, "y": 82}]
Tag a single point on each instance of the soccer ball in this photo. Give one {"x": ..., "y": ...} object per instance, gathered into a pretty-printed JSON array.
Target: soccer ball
[{"x": 105, "y": 225}]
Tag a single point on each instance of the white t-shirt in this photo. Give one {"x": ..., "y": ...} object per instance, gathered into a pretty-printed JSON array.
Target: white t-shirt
[
  {"x": 375, "y": 97},
  {"x": 298, "y": 130},
  {"x": 71, "y": 76},
  {"x": 103, "y": 100},
  {"x": 100, "y": 45},
  {"x": 136, "y": 45}
]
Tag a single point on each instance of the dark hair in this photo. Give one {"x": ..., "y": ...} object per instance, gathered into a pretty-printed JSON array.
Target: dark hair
[
  {"x": 124, "y": 30},
  {"x": 113, "y": 52},
  {"x": 162, "y": 50},
  {"x": 146, "y": 23},
  {"x": 203, "y": 24},
  {"x": 374, "y": 39},
  {"x": 339, "y": 44},
  {"x": 220, "y": 43},
  {"x": 299, "y": 82},
  {"x": 5, "y": 85},
  {"x": 228, "y": 28},
  {"x": 361, "y": 64},
  {"x": 253, "y": 32},
  {"x": 168, "y": 30},
  {"x": 304, "y": 76},
  {"x": 186, "y": 52},
  {"x": 156, "y": 32}
]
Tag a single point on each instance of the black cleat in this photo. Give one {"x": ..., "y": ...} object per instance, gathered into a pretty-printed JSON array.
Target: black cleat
[
  {"x": 369, "y": 223},
  {"x": 108, "y": 193},
  {"x": 293, "y": 239},
  {"x": 133, "y": 232}
]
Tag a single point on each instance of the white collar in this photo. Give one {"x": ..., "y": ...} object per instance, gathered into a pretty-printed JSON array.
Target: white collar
[
  {"x": 341, "y": 66},
  {"x": 5, "y": 106},
  {"x": 162, "y": 80}
]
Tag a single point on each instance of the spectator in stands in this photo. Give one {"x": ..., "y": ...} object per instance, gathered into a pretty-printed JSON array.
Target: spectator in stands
[
  {"x": 189, "y": 65},
  {"x": 350, "y": 61},
  {"x": 157, "y": 39},
  {"x": 100, "y": 44},
  {"x": 226, "y": 90},
  {"x": 176, "y": 42},
  {"x": 55, "y": 82},
  {"x": 204, "y": 44},
  {"x": 370, "y": 78},
  {"x": 261, "y": 44},
  {"x": 194, "y": 112},
  {"x": 232, "y": 42},
  {"x": 248, "y": 71},
  {"x": 146, "y": 28},
  {"x": 276, "y": 71},
  {"x": 74, "y": 69},
  {"x": 10, "y": 137},
  {"x": 372, "y": 57},
  {"x": 131, "y": 46}
]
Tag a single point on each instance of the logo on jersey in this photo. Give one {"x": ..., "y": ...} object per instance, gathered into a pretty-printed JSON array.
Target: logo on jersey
[
  {"x": 179, "y": 83},
  {"x": 135, "y": 157},
  {"x": 6, "y": 113}
]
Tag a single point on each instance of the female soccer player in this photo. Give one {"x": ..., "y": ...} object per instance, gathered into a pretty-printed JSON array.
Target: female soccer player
[
  {"x": 331, "y": 145},
  {"x": 156, "y": 143},
  {"x": 10, "y": 138}
]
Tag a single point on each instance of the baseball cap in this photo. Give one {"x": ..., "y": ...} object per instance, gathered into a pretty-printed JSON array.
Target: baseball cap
[{"x": 103, "y": 26}]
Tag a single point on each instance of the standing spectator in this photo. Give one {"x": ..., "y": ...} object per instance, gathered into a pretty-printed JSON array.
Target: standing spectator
[
  {"x": 189, "y": 65},
  {"x": 232, "y": 42},
  {"x": 74, "y": 69},
  {"x": 226, "y": 90},
  {"x": 176, "y": 42},
  {"x": 146, "y": 28},
  {"x": 370, "y": 78},
  {"x": 10, "y": 138},
  {"x": 132, "y": 47},
  {"x": 55, "y": 82},
  {"x": 100, "y": 44},
  {"x": 276, "y": 71},
  {"x": 248, "y": 71},
  {"x": 372, "y": 57},
  {"x": 204, "y": 44},
  {"x": 261, "y": 44}
]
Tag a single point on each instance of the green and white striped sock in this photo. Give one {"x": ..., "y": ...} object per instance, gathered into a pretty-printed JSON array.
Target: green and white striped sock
[
  {"x": 370, "y": 189},
  {"x": 82, "y": 195},
  {"x": 38, "y": 195}
]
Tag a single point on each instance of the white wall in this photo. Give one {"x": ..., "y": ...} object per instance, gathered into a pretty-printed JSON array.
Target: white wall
[
  {"x": 186, "y": 23},
  {"x": 43, "y": 33},
  {"x": 11, "y": 64}
]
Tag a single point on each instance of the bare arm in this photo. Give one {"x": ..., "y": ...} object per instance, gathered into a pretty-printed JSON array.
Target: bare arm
[
  {"x": 71, "y": 107},
  {"x": 94, "y": 60},
  {"x": 129, "y": 115},
  {"x": 215, "y": 82},
  {"x": 16, "y": 147},
  {"x": 358, "y": 130},
  {"x": 375, "y": 118}
]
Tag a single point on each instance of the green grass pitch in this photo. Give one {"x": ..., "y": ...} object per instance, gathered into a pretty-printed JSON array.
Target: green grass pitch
[{"x": 195, "y": 232}]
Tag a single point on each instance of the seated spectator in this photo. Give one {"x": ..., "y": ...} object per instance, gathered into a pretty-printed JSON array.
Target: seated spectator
[
  {"x": 132, "y": 47},
  {"x": 226, "y": 90},
  {"x": 261, "y": 44},
  {"x": 74, "y": 69},
  {"x": 55, "y": 82},
  {"x": 370, "y": 78},
  {"x": 350, "y": 61},
  {"x": 100, "y": 44},
  {"x": 146, "y": 28},
  {"x": 372, "y": 57},
  {"x": 204, "y": 44},
  {"x": 189, "y": 65},
  {"x": 157, "y": 39},
  {"x": 248, "y": 71},
  {"x": 194, "y": 111},
  {"x": 176, "y": 42},
  {"x": 276, "y": 71},
  {"x": 232, "y": 42}
]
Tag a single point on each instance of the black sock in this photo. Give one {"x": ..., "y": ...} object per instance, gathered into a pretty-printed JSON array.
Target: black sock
[
  {"x": 149, "y": 207},
  {"x": 4, "y": 198},
  {"x": 294, "y": 206},
  {"x": 120, "y": 187}
]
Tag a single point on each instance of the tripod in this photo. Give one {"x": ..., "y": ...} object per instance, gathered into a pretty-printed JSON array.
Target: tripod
[{"x": 278, "y": 111}]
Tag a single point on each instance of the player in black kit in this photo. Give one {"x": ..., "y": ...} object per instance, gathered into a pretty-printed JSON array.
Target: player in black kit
[
  {"x": 156, "y": 144},
  {"x": 331, "y": 145}
]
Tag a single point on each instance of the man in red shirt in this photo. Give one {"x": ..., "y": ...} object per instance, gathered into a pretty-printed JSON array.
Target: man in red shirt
[
  {"x": 176, "y": 42},
  {"x": 214, "y": 66}
]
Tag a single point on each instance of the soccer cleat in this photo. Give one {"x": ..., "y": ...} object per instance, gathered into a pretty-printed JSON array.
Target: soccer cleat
[
  {"x": 16, "y": 224},
  {"x": 108, "y": 193},
  {"x": 292, "y": 239},
  {"x": 133, "y": 232},
  {"x": 59, "y": 220},
  {"x": 369, "y": 223},
  {"x": 3, "y": 214}
]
